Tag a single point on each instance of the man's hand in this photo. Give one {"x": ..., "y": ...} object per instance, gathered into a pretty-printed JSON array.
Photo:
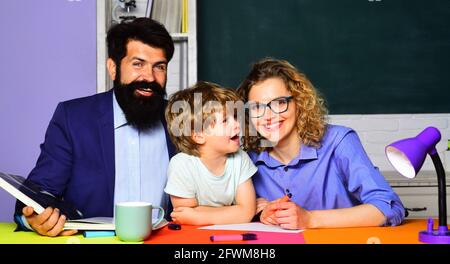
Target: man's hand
[{"x": 48, "y": 223}]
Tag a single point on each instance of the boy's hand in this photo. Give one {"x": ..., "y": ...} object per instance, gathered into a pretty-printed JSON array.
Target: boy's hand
[
  {"x": 185, "y": 215},
  {"x": 48, "y": 223},
  {"x": 261, "y": 203},
  {"x": 268, "y": 214},
  {"x": 267, "y": 217}
]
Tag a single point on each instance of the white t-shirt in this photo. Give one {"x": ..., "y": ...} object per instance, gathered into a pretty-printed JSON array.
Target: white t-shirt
[{"x": 188, "y": 177}]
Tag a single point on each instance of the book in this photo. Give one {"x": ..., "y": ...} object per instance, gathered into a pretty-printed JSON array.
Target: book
[
  {"x": 148, "y": 10},
  {"x": 102, "y": 223},
  {"x": 169, "y": 13},
  {"x": 93, "y": 223},
  {"x": 184, "y": 17},
  {"x": 32, "y": 195}
]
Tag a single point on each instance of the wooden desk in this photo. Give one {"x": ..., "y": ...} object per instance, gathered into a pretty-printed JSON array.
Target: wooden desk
[{"x": 407, "y": 233}]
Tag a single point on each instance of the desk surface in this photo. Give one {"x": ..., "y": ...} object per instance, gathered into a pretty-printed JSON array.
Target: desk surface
[{"x": 407, "y": 233}]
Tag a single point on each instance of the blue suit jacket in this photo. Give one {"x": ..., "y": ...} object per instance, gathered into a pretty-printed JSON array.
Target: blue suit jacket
[{"x": 77, "y": 157}]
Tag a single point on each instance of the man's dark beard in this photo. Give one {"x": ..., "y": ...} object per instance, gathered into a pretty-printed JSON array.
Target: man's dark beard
[{"x": 141, "y": 112}]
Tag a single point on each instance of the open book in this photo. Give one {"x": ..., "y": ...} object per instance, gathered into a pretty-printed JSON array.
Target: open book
[
  {"x": 102, "y": 223},
  {"x": 32, "y": 195}
]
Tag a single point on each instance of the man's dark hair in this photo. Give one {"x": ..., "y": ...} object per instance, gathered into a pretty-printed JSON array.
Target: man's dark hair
[{"x": 143, "y": 29}]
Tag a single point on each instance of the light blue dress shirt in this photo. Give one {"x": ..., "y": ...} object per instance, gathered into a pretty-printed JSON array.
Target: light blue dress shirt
[
  {"x": 339, "y": 174},
  {"x": 141, "y": 161}
]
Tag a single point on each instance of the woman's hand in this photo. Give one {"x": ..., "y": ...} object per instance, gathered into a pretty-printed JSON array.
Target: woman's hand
[
  {"x": 287, "y": 215},
  {"x": 267, "y": 216}
]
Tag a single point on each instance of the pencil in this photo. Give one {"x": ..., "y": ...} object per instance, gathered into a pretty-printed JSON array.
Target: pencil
[{"x": 285, "y": 198}]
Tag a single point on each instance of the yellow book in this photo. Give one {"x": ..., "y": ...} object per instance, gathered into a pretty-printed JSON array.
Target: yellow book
[{"x": 184, "y": 23}]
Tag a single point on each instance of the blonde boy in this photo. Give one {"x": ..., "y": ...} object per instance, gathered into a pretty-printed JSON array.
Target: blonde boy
[{"x": 209, "y": 181}]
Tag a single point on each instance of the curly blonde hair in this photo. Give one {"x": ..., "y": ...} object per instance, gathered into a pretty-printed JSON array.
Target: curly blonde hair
[
  {"x": 310, "y": 107},
  {"x": 197, "y": 113}
]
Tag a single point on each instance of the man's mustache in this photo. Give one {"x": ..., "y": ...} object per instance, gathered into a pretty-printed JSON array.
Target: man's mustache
[{"x": 156, "y": 87}]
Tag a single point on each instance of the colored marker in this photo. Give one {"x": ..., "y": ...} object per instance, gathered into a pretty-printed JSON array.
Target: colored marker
[
  {"x": 173, "y": 226},
  {"x": 240, "y": 237},
  {"x": 99, "y": 233},
  {"x": 286, "y": 198}
]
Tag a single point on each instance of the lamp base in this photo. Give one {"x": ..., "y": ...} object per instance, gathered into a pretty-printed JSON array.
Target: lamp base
[{"x": 432, "y": 236}]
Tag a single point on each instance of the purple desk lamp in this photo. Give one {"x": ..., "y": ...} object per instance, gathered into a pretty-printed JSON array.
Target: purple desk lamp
[{"x": 407, "y": 157}]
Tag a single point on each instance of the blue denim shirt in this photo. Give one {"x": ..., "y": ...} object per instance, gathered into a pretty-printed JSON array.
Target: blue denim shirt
[{"x": 339, "y": 174}]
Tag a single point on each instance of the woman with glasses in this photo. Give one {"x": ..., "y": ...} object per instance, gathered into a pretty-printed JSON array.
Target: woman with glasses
[{"x": 310, "y": 174}]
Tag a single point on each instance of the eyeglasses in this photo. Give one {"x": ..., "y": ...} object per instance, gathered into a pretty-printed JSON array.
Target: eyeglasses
[{"x": 278, "y": 105}]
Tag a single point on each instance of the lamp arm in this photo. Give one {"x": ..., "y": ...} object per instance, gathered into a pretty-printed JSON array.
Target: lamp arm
[{"x": 442, "y": 194}]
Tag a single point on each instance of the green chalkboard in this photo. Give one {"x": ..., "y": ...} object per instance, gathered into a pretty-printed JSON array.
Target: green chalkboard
[{"x": 364, "y": 56}]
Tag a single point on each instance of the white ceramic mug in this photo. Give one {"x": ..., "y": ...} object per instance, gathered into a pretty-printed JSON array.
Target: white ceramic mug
[{"x": 133, "y": 220}]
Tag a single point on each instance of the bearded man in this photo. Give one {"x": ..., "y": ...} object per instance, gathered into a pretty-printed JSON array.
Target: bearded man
[{"x": 110, "y": 147}]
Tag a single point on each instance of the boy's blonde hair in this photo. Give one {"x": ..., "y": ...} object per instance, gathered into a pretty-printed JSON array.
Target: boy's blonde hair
[{"x": 198, "y": 104}]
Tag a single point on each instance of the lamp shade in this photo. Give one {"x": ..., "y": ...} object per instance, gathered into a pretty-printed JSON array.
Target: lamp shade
[{"x": 407, "y": 155}]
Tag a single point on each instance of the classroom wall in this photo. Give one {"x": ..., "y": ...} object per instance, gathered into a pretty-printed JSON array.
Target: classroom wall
[
  {"x": 375, "y": 62},
  {"x": 48, "y": 54},
  {"x": 378, "y": 131}
]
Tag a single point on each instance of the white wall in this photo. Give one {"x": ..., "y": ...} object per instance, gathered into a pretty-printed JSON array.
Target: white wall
[{"x": 377, "y": 131}]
